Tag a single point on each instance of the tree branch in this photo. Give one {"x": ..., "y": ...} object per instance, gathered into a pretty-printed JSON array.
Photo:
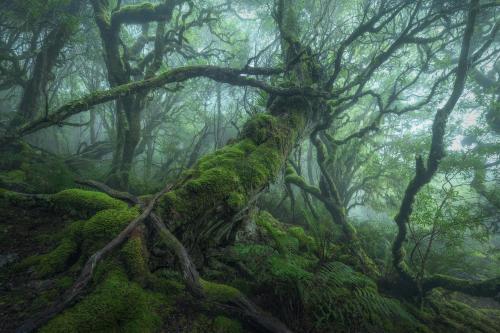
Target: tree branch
[{"x": 424, "y": 174}]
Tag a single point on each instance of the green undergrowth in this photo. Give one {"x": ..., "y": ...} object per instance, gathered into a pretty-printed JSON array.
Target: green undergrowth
[
  {"x": 116, "y": 305},
  {"x": 125, "y": 296},
  {"x": 27, "y": 169},
  {"x": 316, "y": 297},
  {"x": 280, "y": 271}
]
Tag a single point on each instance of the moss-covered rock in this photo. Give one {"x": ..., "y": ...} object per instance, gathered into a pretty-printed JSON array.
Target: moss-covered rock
[
  {"x": 116, "y": 305},
  {"x": 85, "y": 203},
  {"x": 79, "y": 240}
]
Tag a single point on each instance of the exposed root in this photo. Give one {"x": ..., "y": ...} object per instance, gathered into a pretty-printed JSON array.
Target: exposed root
[
  {"x": 86, "y": 274},
  {"x": 224, "y": 297}
]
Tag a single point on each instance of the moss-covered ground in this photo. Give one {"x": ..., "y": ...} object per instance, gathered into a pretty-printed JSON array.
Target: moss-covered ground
[{"x": 136, "y": 290}]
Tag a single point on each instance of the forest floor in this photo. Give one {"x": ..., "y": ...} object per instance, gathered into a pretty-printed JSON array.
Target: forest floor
[{"x": 17, "y": 241}]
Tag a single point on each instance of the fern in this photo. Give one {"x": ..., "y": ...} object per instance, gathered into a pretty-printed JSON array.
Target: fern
[{"x": 339, "y": 296}]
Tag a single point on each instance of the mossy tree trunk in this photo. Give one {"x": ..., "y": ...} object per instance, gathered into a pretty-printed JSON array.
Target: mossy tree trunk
[{"x": 203, "y": 207}]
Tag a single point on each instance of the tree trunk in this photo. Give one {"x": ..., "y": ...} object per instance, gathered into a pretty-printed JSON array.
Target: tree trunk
[
  {"x": 42, "y": 68},
  {"x": 203, "y": 205}
]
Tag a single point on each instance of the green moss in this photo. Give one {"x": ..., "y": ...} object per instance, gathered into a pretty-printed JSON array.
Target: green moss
[
  {"x": 80, "y": 239},
  {"x": 9, "y": 198},
  {"x": 221, "y": 293},
  {"x": 236, "y": 200},
  {"x": 132, "y": 254},
  {"x": 56, "y": 260},
  {"x": 104, "y": 226},
  {"x": 87, "y": 202},
  {"x": 224, "y": 181},
  {"x": 13, "y": 177},
  {"x": 284, "y": 242},
  {"x": 304, "y": 240},
  {"x": 223, "y": 324},
  {"x": 116, "y": 305},
  {"x": 64, "y": 283},
  {"x": 27, "y": 169},
  {"x": 260, "y": 127}
]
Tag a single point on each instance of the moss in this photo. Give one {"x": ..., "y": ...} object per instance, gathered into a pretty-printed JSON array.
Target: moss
[
  {"x": 13, "y": 177},
  {"x": 305, "y": 241},
  {"x": 80, "y": 239},
  {"x": 236, "y": 200},
  {"x": 27, "y": 169},
  {"x": 87, "y": 202},
  {"x": 56, "y": 260},
  {"x": 64, "y": 283},
  {"x": 116, "y": 305},
  {"x": 284, "y": 242},
  {"x": 223, "y": 324},
  {"x": 452, "y": 315},
  {"x": 9, "y": 198},
  {"x": 260, "y": 127},
  {"x": 132, "y": 254},
  {"x": 223, "y": 182},
  {"x": 104, "y": 226},
  {"x": 220, "y": 293}
]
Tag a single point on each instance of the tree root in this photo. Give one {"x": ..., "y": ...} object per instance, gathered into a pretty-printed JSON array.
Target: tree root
[
  {"x": 224, "y": 297},
  {"x": 86, "y": 274}
]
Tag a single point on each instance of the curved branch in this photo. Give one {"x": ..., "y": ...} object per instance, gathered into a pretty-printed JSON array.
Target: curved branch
[{"x": 233, "y": 76}]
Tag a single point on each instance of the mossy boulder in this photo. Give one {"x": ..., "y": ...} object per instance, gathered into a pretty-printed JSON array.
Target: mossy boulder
[
  {"x": 85, "y": 203},
  {"x": 116, "y": 305}
]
